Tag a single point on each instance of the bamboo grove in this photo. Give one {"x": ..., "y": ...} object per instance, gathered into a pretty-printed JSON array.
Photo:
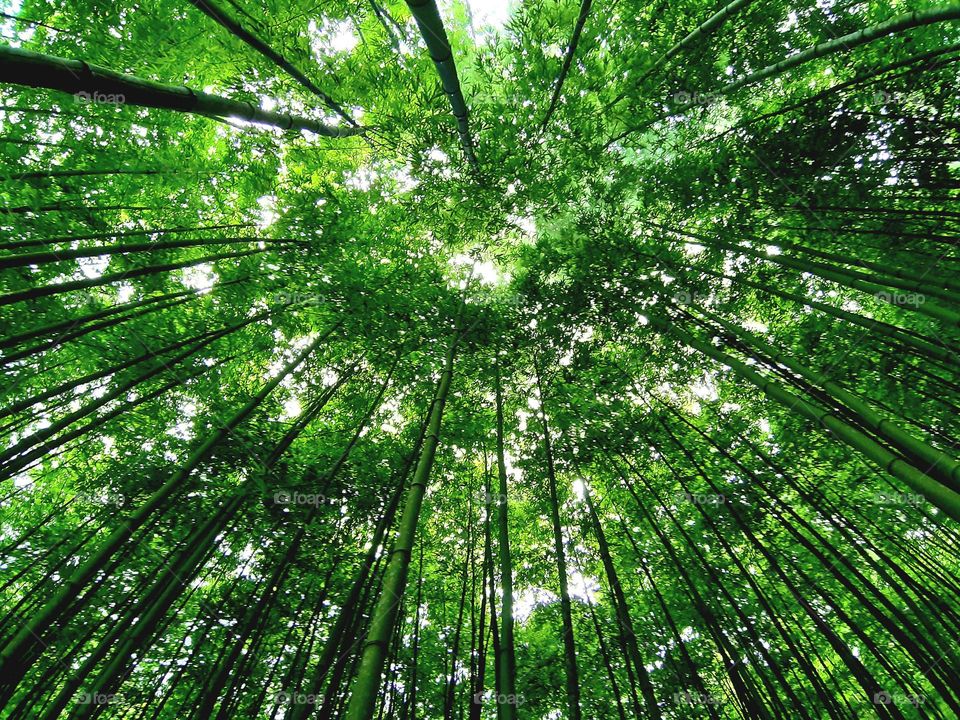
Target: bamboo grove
[{"x": 393, "y": 360}]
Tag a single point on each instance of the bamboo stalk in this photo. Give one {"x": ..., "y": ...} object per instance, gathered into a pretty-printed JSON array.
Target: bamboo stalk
[{"x": 93, "y": 83}]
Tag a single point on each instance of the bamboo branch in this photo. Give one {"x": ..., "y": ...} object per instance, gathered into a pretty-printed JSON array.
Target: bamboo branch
[
  {"x": 568, "y": 59},
  {"x": 210, "y": 9}
]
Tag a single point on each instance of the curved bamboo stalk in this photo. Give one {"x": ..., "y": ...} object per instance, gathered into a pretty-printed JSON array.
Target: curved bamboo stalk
[{"x": 427, "y": 15}]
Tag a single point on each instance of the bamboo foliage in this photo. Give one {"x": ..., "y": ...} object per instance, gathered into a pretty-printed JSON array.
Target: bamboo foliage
[{"x": 654, "y": 417}]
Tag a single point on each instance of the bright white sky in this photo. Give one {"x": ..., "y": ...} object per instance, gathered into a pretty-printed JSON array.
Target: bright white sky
[{"x": 494, "y": 13}]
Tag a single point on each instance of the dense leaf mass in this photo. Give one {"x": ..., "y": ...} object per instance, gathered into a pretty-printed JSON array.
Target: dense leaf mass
[{"x": 380, "y": 359}]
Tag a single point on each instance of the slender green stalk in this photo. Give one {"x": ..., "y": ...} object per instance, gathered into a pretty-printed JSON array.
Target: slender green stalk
[
  {"x": 506, "y": 656},
  {"x": 366, "y": 686}
]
